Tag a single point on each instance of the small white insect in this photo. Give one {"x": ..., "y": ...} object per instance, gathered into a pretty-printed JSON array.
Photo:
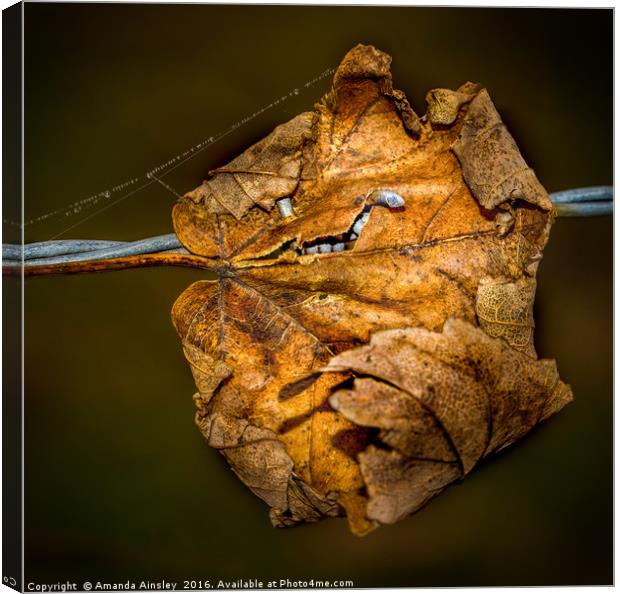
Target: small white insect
[
  {"x": 338, "y": 247},
  {"x": 324, "y": 248},
  {"x": 313, "y": 249},
  {"x": 285, "y": 206}
]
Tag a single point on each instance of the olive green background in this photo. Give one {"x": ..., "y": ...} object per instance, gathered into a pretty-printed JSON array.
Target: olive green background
[{"x": 119, "y": 483}]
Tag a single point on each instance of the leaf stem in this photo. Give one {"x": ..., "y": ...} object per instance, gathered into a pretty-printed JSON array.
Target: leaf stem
[{"x": 140, "y": 261}]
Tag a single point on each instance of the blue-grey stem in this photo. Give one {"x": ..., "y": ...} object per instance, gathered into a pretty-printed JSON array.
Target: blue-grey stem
[
  {"x": 591, "y": 194},
  {"x": 161, "y": 243},
  {"x": 46, "y": 249},
  {"x": 585, "y": 209},
  {"x": 580, "y": 202},
  {"x": 584, "y": 202}
]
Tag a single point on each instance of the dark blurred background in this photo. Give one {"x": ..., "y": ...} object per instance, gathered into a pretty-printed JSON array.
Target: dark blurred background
[{"x": 119, "y": 484}]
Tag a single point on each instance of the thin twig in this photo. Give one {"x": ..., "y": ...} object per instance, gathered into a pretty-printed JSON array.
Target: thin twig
[{"x": 141, "y": 261}]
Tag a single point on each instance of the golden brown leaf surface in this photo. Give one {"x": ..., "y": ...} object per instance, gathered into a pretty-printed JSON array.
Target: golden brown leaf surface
[
  {"x": 441, "y": 402},
  {"x": 269, "y": 343}
]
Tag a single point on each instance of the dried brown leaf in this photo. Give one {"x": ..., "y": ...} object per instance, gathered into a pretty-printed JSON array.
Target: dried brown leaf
[
  {"x": 441, "y": 402},
  {"x": 465, "y": 244}
]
